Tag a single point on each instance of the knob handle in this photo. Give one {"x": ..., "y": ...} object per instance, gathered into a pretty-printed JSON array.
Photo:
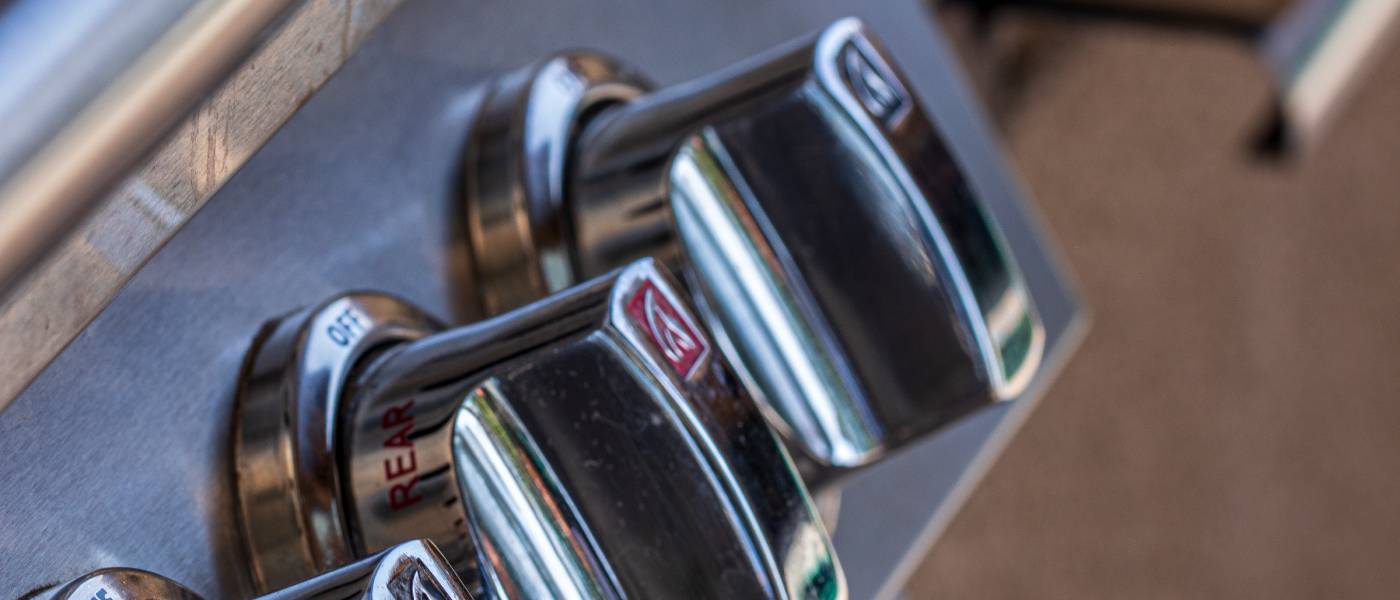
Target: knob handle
[
  {"x": 592, "y": 444},
  {"x": 827, "y": 235}
]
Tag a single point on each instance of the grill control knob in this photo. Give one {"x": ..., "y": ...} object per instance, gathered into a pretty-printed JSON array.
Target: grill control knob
[
  {"x": 413, "y": 570},
  {"x": 590, "y": 445},
  {"x": 409, "y": 571},
  {"x": 120, "y": 584},
  {"x": 830, "y": 240}
]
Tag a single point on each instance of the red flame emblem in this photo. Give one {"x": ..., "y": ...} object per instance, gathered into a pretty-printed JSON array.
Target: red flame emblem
[{"x": 668, "y": 329}]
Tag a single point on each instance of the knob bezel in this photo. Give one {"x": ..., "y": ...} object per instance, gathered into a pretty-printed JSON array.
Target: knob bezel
[
  {"x": 515, "y": 170},
  {"x": 288, "y": 487}
]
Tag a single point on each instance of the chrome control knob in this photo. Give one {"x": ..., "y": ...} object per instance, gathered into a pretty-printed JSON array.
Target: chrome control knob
[
  {"x": 831, "y": 241},
  {"x": 409, "y": 571},
  {"x": 413, "y": 570},
  {"x": 592, "y": 444},
  {"x": 120, "y": 584}
]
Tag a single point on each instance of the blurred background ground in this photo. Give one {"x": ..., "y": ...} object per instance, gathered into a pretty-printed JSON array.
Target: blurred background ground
[{"x": 1231, "y": 426}]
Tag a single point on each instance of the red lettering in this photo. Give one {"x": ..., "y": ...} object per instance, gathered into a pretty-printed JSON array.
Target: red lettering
[
  {"x": 390, "y": 473},
  {"x": 400, "y": 419},
  {"x": 398, "y": 415},
  {"x": 400, "y": 438},
  {"x": 401, "y": 495}
]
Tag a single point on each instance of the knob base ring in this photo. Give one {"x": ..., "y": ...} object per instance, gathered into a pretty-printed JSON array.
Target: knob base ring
[
  {"x": 516, "y": 168},
  {"x": 290, "y": 503}
]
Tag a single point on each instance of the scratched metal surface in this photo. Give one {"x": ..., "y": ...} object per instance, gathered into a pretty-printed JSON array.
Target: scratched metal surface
[{"x": 118, "y": 453}]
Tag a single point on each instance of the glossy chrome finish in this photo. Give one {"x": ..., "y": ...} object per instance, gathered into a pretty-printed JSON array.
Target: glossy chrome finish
[
  {"x": 516, "y": 169},
  {"x": 590, "y": 445},
  {"x": 120, "y": 584},
  {"x": 413, "y": 570},
  {"x": 534, "y": 548},
  {"x": 593, "y": 447},
  {"x": 319, "y": 190},
  {"x": 844, "y": 264},
  {"x": 285, "y": 433}
]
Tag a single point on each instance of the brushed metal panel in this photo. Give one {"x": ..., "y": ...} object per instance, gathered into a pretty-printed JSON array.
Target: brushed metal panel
[{"x": 118, "y": 453}]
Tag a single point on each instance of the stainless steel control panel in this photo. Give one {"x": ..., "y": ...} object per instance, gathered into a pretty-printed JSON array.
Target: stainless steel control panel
[{"x": 121, "y": 453}]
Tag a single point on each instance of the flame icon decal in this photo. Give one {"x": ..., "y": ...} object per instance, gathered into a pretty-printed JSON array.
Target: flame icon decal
[
  {"x": 669, "y": 330},
  {"x": 671, "y": 336}
]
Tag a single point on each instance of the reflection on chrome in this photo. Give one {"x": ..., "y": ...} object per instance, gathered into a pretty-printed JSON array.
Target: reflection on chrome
[
  {"x": 590, "y": 445},
  {"x": 846, "y": 267},
  {"x": 520, "y": 528},
  {"x": 810, "y": 567},
  {"x": 787, "y": 362}
]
